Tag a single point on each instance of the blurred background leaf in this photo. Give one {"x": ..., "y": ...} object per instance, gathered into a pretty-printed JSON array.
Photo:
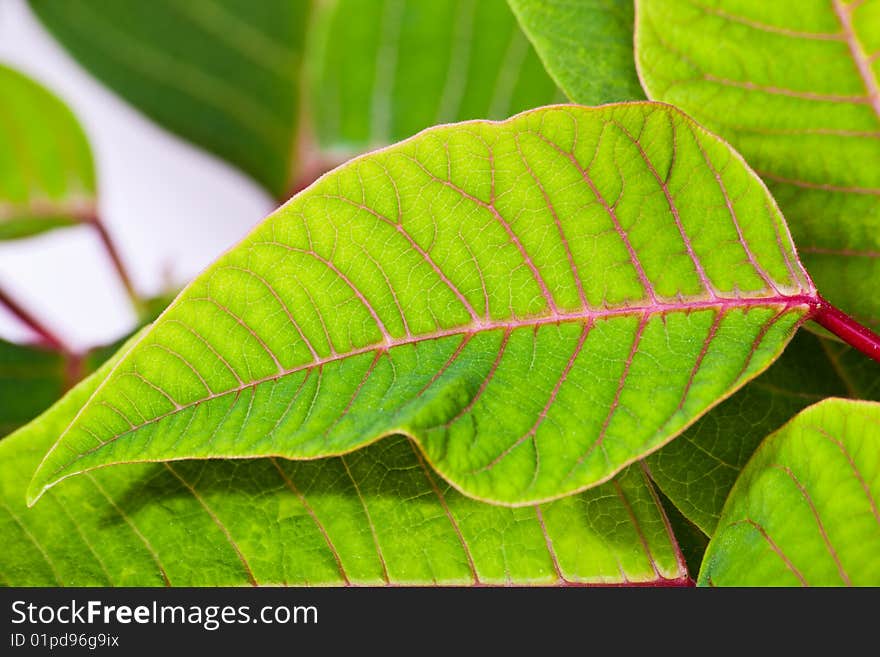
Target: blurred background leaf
[
  {"x": 385, "y": 69},
  {"x": 224, "y": 74},
  {"x": 587, "y": 46},
  {"x": 47, "y": 177}
]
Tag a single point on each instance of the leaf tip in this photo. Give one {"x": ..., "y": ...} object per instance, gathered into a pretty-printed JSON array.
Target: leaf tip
[{"x": 38, "y": 487}]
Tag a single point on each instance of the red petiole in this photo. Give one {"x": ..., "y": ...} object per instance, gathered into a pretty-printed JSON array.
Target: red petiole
[{"x": 846, "y": 328}]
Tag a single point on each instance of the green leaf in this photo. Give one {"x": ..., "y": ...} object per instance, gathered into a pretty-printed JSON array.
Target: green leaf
[
  {"x": 31, "y": 380},
  {"x": 698, "y": 470},
  {"x": 537, "y": 302},
  {"x": 224, "y": 74},
  {"x": 379, "y": 515},
  {"x": 691, "y": 540},
  {"x": 47, "y": 177},
  {"x": 586, "y": 46},
  {"x": 384, "y": 70},
  {"x": 794, "y": 87},
  {"x": 33, "y": 377},
  {"x": 804, "y": 510}
]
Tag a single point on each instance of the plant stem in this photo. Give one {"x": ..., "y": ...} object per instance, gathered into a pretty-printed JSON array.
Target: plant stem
[
  {"x": 47, "y": 336},
  {"x": 118, "y": 265},
  {"x": 847, "y": 329}
]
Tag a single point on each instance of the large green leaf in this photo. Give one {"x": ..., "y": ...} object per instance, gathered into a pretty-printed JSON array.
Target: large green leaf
[
  {"x": 47, "y": 177},
  {"x": 386, "y": 69},
  {"x": 537, "y": 302},
  {"x": 804, "y": 511},
  {"x": 698, "y": 469},
  {"x": 793, "y": 86},
  {"x": 587, "y": 46},
  {"x": 224, "y": 74},
  {"x": 377, "y": 516}
]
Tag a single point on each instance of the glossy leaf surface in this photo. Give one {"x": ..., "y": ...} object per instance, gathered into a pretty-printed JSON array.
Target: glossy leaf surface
[{"x": 537, "y": 302}]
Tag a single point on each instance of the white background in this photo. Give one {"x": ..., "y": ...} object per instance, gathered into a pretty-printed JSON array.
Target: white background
[{"x": 170, "y": 207}]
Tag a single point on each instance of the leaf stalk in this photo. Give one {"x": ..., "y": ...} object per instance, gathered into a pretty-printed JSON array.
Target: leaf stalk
[
  {"x": 46, "y": 336},
  {"x": 118, "y": 264},
  {"x": 847, "y": 329}
]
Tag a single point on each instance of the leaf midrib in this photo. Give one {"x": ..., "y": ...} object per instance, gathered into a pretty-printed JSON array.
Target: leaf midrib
[
  {"x": 844, "y": 15},
  {"x": 588, "y": 315}
]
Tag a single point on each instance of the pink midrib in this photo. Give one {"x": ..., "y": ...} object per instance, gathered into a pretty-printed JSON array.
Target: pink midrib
[
  {"x": 860, "y": 58},
  {"x": 812, "y": 302}
]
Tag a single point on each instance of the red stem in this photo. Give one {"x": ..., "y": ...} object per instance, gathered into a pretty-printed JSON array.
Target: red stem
[
  {"x": 116, "y": 259},
  {"x": 847, "y": 329},
  {"x": 47, "y": 336}
]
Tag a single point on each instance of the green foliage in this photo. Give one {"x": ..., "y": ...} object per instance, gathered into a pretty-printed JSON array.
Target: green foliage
[
  {"x": 224, "y": 74},
  {"x": 373, "y": 517},
  {"x": 31, "y": 379},
  {"x": 796, "y": 92},
  {"x": 804, "y": 511},
  {"x": 470, "y": 288},
  {"x": 439, "y": 363},
  {"x": 386, "y": 69},
  {"x": 698, "y": 469},
  {"x": 47, "y": 178},
  {"x": 586, "y": 46}
]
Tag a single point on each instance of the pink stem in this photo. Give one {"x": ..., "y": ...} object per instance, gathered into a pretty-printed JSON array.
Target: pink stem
[
  {"x": 847, "y": 329},
  {"x": 118, "y": 264},
  {"x": 46, "y": 335}
]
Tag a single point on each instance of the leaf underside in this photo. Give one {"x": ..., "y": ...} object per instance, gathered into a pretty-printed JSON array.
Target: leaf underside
[
  {"x": 537, "y": 303},
  {"x": 224, "y": 74},
  {"x": 374, "y": 517},
  {"x": 805, "y": 511},
  {"x": 795, "y": 89},
  {"x": 408, "y": 64},
  {"x": 698, "y": 469},
  {"x": 46, "y": 170}
]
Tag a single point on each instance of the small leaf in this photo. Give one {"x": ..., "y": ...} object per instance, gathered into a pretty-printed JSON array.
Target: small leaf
[
  {"x": 794, "y": 87},
  {"x": 47, "y": 178},
  {"x": 586, "y": 46},
  {"x": 405, "y": 65},
  {"x": 698, "y": 469},
  {"x": 376, "y": 516},
  {"x": 225, "y": 75},
  {"x": 537, "y": 302},
  {"x": 804, "y": 510}
]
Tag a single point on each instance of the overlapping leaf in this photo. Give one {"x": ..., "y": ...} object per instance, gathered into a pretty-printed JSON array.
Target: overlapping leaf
[
  {"x": 373, "y": 517},
  {"x": 385, "y": 69},
  {"x": 47, "y": 177},
  {"x": 537, "y": 302},
  {"x": 794, "y": 87},
  {"x": 224, "y": 74},
  {"x": 805, "y": 511},
  {"x": 587, "y": 46},
  {"x": 698, "y": 469}
]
